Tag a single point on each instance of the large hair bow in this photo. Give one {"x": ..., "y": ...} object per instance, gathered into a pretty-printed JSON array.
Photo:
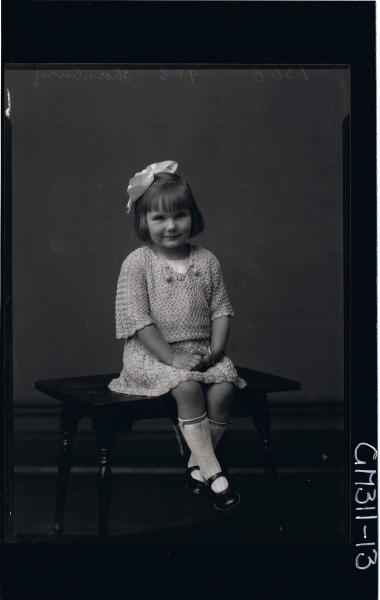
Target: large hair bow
[{"x": 142, "y": 180}]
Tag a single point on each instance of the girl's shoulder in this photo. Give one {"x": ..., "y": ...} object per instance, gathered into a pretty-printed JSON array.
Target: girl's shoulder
[
  {"x": 136, "y": 259},
  {"x": 205, "y": 255}
]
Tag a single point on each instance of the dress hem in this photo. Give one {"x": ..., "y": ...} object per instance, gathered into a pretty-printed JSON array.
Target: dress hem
[{"x": 239, "y": 383}]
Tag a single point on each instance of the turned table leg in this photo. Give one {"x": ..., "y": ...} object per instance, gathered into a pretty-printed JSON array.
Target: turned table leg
[
  {"x": 262, "y": 421},
  {"x": 69, "y": 422},
  {"x": 105, "y": 439}
]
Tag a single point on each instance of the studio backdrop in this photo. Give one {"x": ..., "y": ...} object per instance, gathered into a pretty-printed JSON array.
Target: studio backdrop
[{"x": 263, "y": 152}]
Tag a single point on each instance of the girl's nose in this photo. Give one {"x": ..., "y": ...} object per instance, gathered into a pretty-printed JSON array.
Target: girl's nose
[{"x": 170, "y": 226}]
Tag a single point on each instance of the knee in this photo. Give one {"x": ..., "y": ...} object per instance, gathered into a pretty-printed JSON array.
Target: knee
[
  {"x": 228, "y": 389},
  {"x": 222, "y": 393},
  {"x": 219, "y": 401},
  {"x": 189, "y": 398},
  {"x": 188, "y": 390}
]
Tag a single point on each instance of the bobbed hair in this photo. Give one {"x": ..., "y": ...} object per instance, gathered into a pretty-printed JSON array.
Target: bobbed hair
[{"x": 169, "y": 192}]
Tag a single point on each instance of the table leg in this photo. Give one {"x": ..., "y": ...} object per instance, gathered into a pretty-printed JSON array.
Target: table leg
[
  {"x": 182, "y": 445},
  {"x": 261, "y": 417},
  {"x": 70, "y": 418},
  {"x": 105, "y": 439}
]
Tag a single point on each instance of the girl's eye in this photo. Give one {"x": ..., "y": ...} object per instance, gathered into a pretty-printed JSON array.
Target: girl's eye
[{"x": 179, "y": 215}]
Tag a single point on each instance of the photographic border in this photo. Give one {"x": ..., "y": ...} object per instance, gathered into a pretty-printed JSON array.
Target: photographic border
[{"x": 222, "y": 34}]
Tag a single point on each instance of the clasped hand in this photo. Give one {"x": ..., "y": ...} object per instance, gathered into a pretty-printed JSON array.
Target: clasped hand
[{"x": 191, "y": 361}]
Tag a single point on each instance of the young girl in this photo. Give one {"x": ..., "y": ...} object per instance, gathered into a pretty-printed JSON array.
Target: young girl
[{"x": 173, "y": 310}]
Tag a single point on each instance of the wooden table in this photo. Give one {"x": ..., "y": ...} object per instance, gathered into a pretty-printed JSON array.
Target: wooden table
[{"x": 111, "y": 412}]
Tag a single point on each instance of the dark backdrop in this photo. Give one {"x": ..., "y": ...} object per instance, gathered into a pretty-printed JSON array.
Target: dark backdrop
[{"x": 262, "y": 150}]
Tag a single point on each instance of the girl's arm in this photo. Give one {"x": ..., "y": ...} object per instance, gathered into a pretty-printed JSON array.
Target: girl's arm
[
  {"x": 220, "y": 330},
  {"x": 154, "y": 342},
  {"x": 221, "y": 312}
]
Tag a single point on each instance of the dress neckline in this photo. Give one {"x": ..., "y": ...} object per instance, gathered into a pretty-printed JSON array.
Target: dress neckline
[{"x": 169, "y": 269}]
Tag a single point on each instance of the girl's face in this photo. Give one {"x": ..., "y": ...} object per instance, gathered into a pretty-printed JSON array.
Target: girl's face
[{"x": 169, "y": 230}]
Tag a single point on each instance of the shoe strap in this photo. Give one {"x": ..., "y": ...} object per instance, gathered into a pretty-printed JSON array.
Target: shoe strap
[{"x": 211, "y": 479}]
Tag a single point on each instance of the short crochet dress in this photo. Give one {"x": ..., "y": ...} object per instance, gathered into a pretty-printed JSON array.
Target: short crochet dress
[{"x": 182, "y": 306}]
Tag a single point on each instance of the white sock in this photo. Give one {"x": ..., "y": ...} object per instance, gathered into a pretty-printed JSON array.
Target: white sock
[
  {"x": 197, "y": 434},
  {"x": 216, "y": 429},
  {"x": 198, "y": 437}
]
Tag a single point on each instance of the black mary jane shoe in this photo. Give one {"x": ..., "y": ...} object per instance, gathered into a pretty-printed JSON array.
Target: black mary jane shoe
[
  {"x": 193, "y": 485},
  {"x": 225, "y": 500}
]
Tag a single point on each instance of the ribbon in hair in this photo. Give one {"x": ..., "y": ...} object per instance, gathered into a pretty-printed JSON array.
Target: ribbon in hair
[{"x": 142, "y": 180}]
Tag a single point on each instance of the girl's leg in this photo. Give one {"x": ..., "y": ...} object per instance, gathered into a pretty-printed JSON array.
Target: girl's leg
[
  {"x": 196, "y": 430},
  {"x": 219, "y": 400}
]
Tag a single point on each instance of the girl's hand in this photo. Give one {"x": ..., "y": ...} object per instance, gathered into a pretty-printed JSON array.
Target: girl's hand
[
  {"x": 210, "y": 361},
  {"x": 187, "y": 361},
  {"x": 206, "y": 362}
]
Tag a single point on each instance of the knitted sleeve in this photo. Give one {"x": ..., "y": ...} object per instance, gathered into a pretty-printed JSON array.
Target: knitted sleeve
[
  {"x": 132, "y": 304},
  {"x": 220, "y": 303}
]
